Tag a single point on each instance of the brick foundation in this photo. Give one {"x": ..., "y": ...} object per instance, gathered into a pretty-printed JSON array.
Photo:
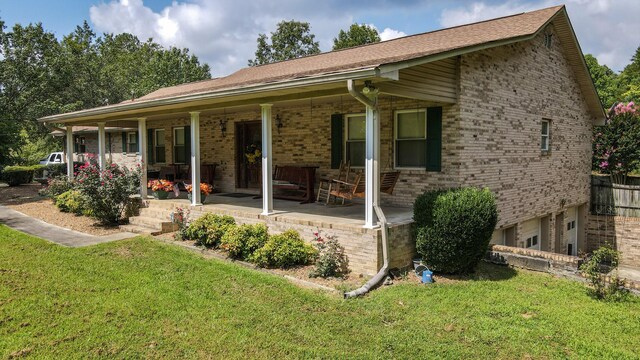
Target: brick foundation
[{"x": 623, "y": 233}]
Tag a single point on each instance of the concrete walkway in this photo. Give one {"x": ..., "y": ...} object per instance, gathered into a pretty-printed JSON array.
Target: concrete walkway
[{"x": 59, "y": 235}]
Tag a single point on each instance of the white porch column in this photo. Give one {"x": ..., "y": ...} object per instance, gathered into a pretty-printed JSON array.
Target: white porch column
[
  {"x": 70, "y": 151},
  {"x": 195, "y": 158},
  {"x": 372, "y": 167},
  {"x": 101, "y": 147},
  {"x": 267, "y": 168},
  {"x": 142, "y": 150}
]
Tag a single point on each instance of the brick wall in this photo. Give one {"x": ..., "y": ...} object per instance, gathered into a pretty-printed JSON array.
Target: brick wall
[
  {"x": 505, "y": 93},
  {"x": 623, "y": 233}
]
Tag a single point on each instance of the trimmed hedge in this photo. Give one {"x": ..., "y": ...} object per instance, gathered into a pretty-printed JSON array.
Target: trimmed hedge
[
  {"x": 242, "y": 241},
  {"x": 209, "y": 229},
  {"x": 459, "y": 225},
  {"x": 284, "y": 251},
  {"x": 18, "y": 175}
]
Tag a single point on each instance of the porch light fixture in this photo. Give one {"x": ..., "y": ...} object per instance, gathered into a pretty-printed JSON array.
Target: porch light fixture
[
  {"x": 369, "y": 90},
  {"x": 279, "y": 123},
  {"x": 223, "y": 126}
]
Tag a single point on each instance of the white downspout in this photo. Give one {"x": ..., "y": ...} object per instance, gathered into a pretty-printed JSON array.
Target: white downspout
[{"x": 382, "y": 273}]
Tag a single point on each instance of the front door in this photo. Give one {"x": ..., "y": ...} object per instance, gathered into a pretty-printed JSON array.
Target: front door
[
  {"x": 572, "y": 232},
  {"x": 248, "y": 147}
]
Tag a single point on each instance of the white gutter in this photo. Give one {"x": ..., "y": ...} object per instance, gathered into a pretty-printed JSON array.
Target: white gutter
[
  {"x": 382, "y": 273},
  {"x": 253, "y": 89}
]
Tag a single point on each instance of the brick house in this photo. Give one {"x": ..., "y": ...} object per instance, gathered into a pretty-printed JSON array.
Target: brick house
[{"x": 506, "y": 104}]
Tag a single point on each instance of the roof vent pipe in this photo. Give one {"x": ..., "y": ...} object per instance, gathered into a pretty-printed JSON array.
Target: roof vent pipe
[{"x": 382, "y": 273}]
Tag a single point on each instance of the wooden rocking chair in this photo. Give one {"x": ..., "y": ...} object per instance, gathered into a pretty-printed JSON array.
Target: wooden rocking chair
[
  {"x": 325, "y": 186},
  {"x": 348, "y": 191}
]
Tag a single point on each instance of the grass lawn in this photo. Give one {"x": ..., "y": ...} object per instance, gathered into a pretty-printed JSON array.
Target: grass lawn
[{"x": 142, "y": 298}]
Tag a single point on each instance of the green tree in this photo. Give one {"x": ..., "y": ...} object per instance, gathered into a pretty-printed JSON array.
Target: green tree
[
  {"x": 292, "y": 39},
  {"x": 355, "y": 36},
  {"x": 630, "y": 79},
  {"x": 605, "y": 80}
]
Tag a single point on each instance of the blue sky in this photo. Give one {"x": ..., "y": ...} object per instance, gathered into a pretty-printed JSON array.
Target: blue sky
[{"x": 223, "y": 32}]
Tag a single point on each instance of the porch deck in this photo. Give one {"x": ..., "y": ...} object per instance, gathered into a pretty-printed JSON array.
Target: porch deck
[{"x": 348, "y": 217}]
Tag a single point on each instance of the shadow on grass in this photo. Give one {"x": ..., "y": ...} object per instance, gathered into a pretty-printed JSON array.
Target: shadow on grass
[{"x": 484, "y": 272}]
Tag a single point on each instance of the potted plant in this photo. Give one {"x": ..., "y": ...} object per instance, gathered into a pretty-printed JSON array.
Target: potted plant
[
  {"x": 205, "y": 189},
  {"x": 160, "y": 188}
]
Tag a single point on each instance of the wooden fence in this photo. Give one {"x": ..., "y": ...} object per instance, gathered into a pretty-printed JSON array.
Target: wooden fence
[{"x": 615, "y": 199}]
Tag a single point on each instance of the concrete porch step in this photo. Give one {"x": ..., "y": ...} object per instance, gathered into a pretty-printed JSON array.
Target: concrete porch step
[
  {"x": 137, "y": 229},
  {"x": 162, "y": 214},
  {"x": 159, "y": 225}
]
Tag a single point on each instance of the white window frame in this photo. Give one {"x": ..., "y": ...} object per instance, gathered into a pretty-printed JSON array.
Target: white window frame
[
  {"x": 129, "y": 133},
  {"x": 395, "y": 138},
  {"x": 155, "y": 146},
  {"x": 173, "y": 138},
  {"x": 546, "y": 135},
  {"x": 346, "y": 138}
]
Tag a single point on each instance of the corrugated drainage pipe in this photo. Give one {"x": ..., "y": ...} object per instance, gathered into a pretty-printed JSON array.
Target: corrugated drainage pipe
[
  {"x": 384, "y": 270},
  {"x": 381, "y": 218}
]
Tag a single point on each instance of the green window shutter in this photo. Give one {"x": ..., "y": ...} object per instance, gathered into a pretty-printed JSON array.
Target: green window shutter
[
  {"x": 337, "y": 134},
  {"x": 75, "y": 144},
  {"x": 187, "y": 144},
  {"x": 434, "y": 138},
  {"x": 150, "y": 141},
  {"x": 138, "y": 142},
  {"x": 109, "y": 143},
  {"x": 124, "y": 142}
]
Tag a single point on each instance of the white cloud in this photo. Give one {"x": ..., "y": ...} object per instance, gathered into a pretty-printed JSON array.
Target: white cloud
[
  {"x": 389, "y": 34},
  {"x": 607, "y": 29}
]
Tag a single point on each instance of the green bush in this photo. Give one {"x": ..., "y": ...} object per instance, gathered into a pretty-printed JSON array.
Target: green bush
[
  {"x": 18, "y": 175},
  {"x": 242, "y": 241},
  {"x": 600, "y": 262},
  {"x": 459, "y": 230},
  {"x": 209, "y": 229},
  {"x": 423, "y": 208},
  {"x": 284, "y": 251},
  {"x": 71, "y": 201}
]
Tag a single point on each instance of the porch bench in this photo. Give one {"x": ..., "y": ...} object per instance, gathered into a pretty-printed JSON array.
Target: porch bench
[{"x": 295, "y": 183}]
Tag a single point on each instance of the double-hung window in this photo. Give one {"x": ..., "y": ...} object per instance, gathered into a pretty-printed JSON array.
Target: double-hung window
[
  {"x": 355, "y": 139},
  {"x": 179, "y": 146},
  {"x": 82, "y": 144},
  {"x": 544, "y": 135},
  {"x": 159, "y": 146},
  {"x": 411, "y": 138},
  {"x": 132, "y": 142}
]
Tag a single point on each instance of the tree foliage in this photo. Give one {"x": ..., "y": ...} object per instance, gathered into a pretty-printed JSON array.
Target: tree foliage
[
  {"x": 616, "y": 145},
  {"x": 630, "y": 79},
  {"x": 605, "y": 80},
  {"x": 292, "y": 39},
  {"x": 41, "y": 75},
  {"x": 356, "y": 35}
]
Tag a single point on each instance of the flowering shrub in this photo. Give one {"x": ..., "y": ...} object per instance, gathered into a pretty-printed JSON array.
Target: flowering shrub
[
  {"x": 107, "y": 192},
  {"x": 331, "y": 261},
  {"x": 181, "y": 217},
  {"x": 57, "y": 186},
  {"x": 160, "y": 185},
  {"x": 615, "y": 145},
  {"x": 204, "y": 188}
]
